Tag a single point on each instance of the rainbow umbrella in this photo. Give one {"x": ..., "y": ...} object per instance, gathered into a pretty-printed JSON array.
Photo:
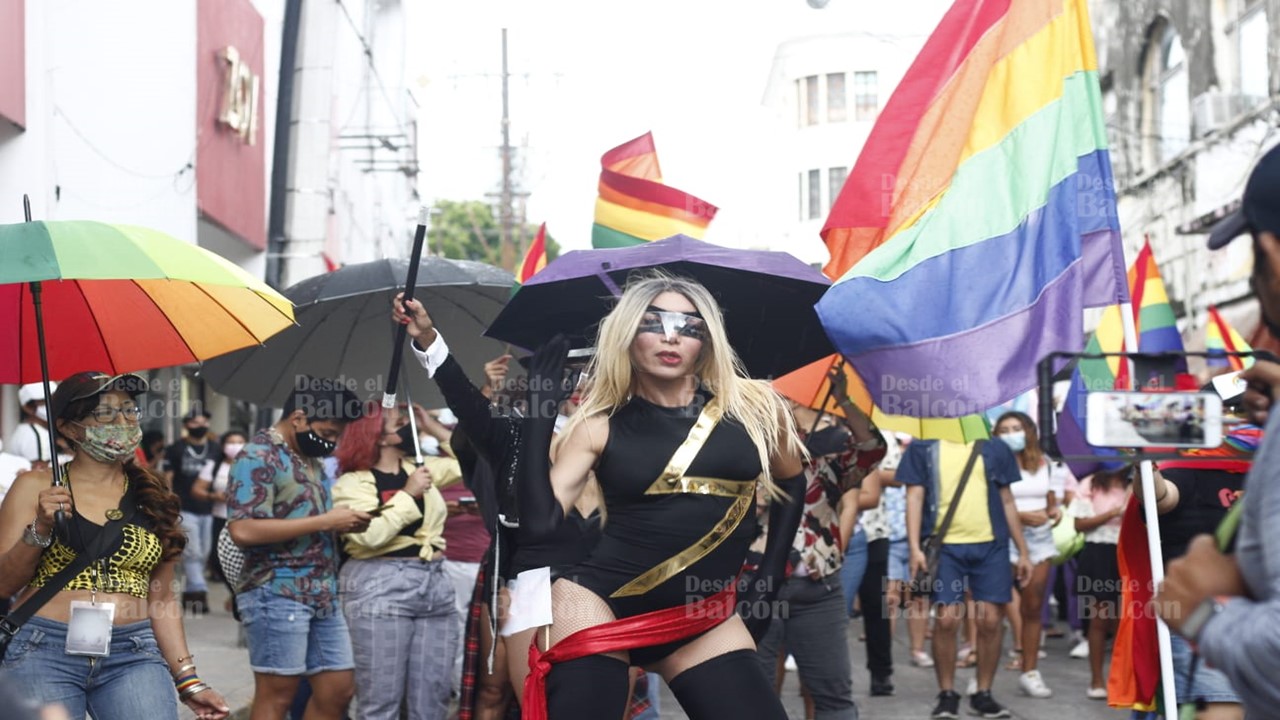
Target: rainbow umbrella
[
  {"x": 811, "y": 386},
  {"x": 119, "y": 298}
]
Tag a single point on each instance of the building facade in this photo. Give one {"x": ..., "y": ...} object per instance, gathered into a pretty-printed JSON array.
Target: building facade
[
  {"x": 1190, "y": 87},
  {"x": 162, "y": 113}
]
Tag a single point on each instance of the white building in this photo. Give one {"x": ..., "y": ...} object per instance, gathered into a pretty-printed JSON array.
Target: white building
[
  {"x": 162, "y": 113},
  {"x": 825, "y": 92}
]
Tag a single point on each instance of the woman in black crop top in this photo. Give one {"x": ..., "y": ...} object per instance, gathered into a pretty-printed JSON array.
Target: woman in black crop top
[
  {"x": 679, "y": 523},
  {"x": 106, "y": 489}
]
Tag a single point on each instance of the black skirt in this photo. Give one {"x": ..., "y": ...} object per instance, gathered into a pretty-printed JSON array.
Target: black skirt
[{"x": 1098, "y": 572}]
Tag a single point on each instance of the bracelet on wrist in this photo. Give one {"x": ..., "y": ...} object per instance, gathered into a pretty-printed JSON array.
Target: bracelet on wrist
[
  {"x": 186, "y": 683},
  {"x": 192, "y": 691},
  {"x": 183, "y": 670}
]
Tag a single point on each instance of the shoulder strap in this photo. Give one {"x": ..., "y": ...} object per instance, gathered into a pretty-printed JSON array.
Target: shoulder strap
[
  {"x": 10, "y": 624},
  {"x": 964, "y": 480},
  {"x": 683, "y": 457}
]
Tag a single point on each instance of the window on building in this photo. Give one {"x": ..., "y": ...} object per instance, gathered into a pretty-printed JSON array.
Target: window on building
[
  {"x": 1252, "y": 55},
  {"x": 835, "y": 98},
  {"x": 800, "y": 198},
  {"x": 1167, "y": 98},
  {"x": 811, "y": 100},
  {"x": 835, "y": 181},
  {"x": 815, "y": 194},
  {"x": 866, "y": 95}
]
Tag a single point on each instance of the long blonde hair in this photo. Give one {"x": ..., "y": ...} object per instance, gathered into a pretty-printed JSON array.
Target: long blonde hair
[{"x": 753, "y": 403}]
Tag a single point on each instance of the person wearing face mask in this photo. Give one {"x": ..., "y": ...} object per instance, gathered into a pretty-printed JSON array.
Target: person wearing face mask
[
  {"x": 183, "y": 461},
  {"x": 211, "y": 487},
  {"x": 398, "y": 601},
  {"x": 279, "y": 510},
  {"x": 1038, "y": 510},
  {"x": 30, "y": 439},
  {"x": 109, "y": 640}
]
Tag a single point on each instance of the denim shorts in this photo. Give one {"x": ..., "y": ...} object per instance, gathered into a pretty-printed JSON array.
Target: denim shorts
[
  {"x": 1210, "y": 684},
  {"x": 1039, "y": 544},
  {"x": 286, "y": 637},
  {"x": 132, "y": 682},
  {"x": 900, "y": 560},
  {"x": 982, "y": 568}
]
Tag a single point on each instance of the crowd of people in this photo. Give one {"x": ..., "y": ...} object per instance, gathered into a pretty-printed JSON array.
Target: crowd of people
[{"x": 560, "y": 547}]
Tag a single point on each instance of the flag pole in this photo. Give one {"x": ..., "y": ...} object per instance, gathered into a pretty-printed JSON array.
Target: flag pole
[{"x": 1148, "y": 481}]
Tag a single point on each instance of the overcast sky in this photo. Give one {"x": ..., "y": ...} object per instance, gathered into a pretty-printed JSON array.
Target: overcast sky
[{"x": 589, "y": 75}]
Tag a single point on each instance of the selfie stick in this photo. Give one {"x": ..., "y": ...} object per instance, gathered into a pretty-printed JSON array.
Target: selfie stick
[
  {"x": 60, "y": 516},
  {"x": 1153, "y": 527},
  {"x": 415, "y": 256}
]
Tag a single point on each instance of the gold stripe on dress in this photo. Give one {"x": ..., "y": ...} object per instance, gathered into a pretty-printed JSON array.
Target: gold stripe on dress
[
  {"x": 672, "y": 566},
  {"x": 696, "y": 485}
]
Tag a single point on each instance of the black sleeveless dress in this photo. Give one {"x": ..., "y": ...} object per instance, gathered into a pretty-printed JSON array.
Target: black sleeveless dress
[{"x": 666, "y": 548}]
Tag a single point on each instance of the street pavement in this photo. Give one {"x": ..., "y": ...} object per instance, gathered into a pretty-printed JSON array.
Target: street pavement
[{"x": 224, "y": 664}]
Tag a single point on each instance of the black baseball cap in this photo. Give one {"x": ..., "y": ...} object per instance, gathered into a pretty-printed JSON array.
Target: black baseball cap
[
  {"x": 1259, "y": 208},
  {"x": 87, "y": 384}
]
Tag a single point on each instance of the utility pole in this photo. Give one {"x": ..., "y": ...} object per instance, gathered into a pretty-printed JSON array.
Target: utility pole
[{"x": 506, "y": 220}]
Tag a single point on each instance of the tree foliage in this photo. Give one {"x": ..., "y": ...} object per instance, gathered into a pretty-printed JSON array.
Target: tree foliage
[{"x": 468, "y": 230}]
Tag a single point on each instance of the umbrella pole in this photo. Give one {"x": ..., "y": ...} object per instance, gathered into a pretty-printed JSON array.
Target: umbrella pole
[
  {"x": 393, "y": 375},
  {"x": 413, "y": 420},
  {"x": 59, "y": 517}
]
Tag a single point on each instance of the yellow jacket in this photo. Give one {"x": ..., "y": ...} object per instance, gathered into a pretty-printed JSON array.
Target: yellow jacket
[{"x": 358, "y": 491}]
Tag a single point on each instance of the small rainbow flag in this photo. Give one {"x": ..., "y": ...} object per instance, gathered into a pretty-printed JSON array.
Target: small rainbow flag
[
  {"x": 980, "y": 219},
  {"x": 535, "y": 258},
  {"x": 1220, "y": 338},
  {"x": 635, "y": 207}
]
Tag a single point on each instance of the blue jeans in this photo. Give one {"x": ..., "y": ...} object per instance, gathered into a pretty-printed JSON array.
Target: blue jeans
[
  {"x": 854, "y": 567},
  {"x": 132, "y": 682},
  {"x": 199, "y": 530}
]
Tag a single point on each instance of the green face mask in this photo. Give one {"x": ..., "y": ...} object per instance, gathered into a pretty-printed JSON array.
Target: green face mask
[{"x": 110, "y": 443}]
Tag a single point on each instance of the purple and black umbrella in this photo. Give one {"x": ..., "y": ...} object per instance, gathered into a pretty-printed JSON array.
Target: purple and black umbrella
[{"x": 767, "y": 298}]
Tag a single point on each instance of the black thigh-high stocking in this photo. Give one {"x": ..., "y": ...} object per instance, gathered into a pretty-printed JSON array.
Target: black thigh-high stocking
[
  {"x": 594, "y": 686},
  {"x": 727, "y": 686}
]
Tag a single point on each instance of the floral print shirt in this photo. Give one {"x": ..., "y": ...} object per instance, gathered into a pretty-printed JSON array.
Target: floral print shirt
[{"x": 271, "y": 482}]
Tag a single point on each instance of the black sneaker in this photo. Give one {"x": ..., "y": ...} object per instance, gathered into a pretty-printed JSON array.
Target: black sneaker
[
  {"x": 882, "y": 686},
  {"x": 982, "y": 705},
  {"x": 948, "y": 707}
]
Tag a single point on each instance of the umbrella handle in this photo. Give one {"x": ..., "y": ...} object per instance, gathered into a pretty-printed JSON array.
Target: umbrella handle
[{"x": 415, "y": 257}]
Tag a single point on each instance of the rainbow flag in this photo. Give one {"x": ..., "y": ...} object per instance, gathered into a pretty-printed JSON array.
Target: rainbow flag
[
  {"x": 1157, "y": 331},
  {"x": 635, "y": 207},
  {"x": 980, "y": 218},
  {"x": 535, "y": 258},
  {"x": 1220, "y": 338}
]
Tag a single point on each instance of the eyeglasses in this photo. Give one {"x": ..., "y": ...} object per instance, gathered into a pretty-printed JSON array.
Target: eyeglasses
[
  {"x": 106, "y": 413},
  {"x": 670, "y": 324}
]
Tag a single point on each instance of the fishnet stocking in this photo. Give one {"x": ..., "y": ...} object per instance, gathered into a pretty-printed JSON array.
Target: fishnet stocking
[{"x": 575, "y": 608}]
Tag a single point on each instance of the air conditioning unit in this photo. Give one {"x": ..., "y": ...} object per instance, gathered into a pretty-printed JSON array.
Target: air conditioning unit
[{"x": 1214, "y": 109}]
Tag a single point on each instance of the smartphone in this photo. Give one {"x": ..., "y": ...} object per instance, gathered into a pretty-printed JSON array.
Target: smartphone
[
  {"x": 467, "y": 500},
  {"x": 1153, "y": 419},
  {"x": 1230, "y": 388},
  {"x": 378, "y": 510}
]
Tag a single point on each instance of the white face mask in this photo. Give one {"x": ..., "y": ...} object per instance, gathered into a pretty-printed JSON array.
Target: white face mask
[
  {"x": 42, "y": 412},
  {"x": 232, "y": 450}
]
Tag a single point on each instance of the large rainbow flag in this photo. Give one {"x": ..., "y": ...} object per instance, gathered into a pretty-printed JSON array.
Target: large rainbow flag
[
  {"x": 979, "y": 220},
  {"x": 634, "y": 206},
  {"x": 1220, "y": 338}
]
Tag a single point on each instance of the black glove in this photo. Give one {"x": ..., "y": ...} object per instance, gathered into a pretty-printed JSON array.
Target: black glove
[
  {"x": 540, "y": 511},
  {"x": 756, "y": 604}
]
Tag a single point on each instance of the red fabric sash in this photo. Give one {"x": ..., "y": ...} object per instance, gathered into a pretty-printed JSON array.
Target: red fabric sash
[{"x": 652, "y": 628}]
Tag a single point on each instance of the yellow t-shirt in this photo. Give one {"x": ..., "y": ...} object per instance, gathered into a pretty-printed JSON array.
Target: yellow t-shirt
[{"x": 972, "y": 521}]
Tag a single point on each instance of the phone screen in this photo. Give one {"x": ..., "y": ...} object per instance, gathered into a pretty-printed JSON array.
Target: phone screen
[
  {"x": 1160, "y": 419},
  {"x": 1230, "y": 387}
]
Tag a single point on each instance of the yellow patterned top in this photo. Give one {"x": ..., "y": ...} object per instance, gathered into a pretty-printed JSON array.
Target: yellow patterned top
[{"x": 127, "y": 570}]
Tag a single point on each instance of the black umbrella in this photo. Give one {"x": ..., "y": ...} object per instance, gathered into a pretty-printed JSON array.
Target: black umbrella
[
  {"x": 767, "y": 298},
  {"x": 345, "y": 331}
]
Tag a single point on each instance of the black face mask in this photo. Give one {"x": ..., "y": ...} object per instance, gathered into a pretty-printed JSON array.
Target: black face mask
[
  {"x": 828, "y": 441},
  {"x": 408, "y": 441},
  {"x": 312, "y": 445},
  {"x": 197, "y": 433}
]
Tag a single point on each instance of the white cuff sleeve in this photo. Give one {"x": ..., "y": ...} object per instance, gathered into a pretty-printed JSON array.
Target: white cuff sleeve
[{"x": 434, "y": 356}]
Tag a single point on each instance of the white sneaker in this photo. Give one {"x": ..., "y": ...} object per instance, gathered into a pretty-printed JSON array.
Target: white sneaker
[
  {"x": 1081, "y": 650},
  {"x": 1097, "y": 693},
  {"x": 790, "y": 664},
  {"x": 921, "y": 659},
  {"x": 972, "y": 687},
  {"x": 1032, "y": 684}
]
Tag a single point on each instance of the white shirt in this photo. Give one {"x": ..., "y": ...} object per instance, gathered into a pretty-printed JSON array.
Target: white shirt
[
  {"x": 28, "y": 441},
  {"x": 1032, "y": 493},
  {"x": 217, "y": 483},
  {"x": 10, "y": 467},
  {"x": 434, "y": 356}
]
